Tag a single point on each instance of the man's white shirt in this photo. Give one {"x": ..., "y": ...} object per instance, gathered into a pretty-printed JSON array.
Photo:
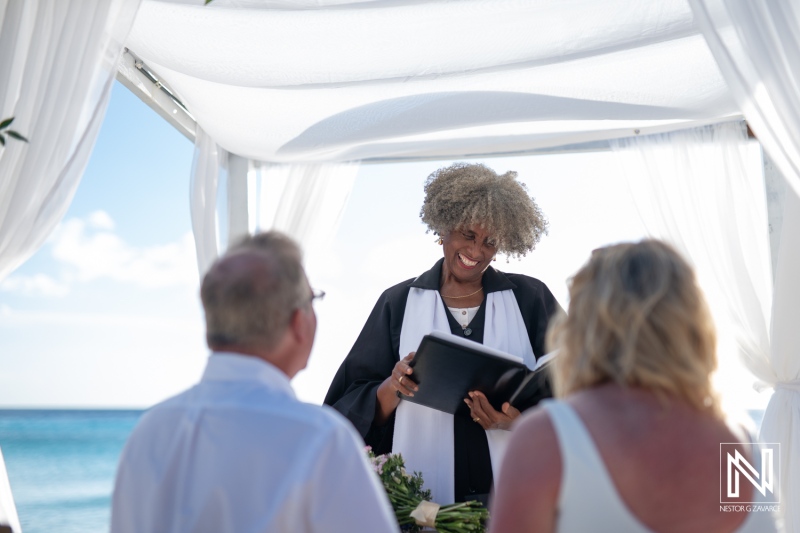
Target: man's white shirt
[{"x": 239, "y": 453}]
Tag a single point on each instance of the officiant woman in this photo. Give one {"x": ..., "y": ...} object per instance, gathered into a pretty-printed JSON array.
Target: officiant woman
[{"x": 476, "y": 214}]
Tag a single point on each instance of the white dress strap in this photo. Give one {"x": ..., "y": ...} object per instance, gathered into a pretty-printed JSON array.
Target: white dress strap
[{"x": 588, "y": 501}]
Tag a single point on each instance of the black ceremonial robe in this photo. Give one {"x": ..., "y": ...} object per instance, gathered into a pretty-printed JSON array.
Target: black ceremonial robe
[{"x": 353, "y": 391}]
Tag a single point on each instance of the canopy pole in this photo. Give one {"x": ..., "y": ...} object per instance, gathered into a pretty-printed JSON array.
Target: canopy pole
[{"x": 238, "y": 205}]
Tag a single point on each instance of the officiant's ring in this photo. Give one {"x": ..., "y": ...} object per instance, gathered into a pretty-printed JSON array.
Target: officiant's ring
[
  {"x": 476, "y": 419},
  {"x": 400, "y": 381}
]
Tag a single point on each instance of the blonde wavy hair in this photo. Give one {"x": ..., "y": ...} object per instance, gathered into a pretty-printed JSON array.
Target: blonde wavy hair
[
  {"x": 637, "y": 318},
  {"x": 463, "y": 195}
]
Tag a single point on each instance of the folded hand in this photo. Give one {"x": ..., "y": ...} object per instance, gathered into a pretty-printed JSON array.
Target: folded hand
[{"x": 484, "y": 414}]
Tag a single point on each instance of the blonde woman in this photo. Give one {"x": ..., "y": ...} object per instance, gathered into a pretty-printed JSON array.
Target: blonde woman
[{"x": 633, "y": 443}]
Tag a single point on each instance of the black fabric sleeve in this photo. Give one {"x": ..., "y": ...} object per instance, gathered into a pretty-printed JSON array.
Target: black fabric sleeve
[
  {"x": 537, "y": 306},
  {"x": 353, "y": 391}
]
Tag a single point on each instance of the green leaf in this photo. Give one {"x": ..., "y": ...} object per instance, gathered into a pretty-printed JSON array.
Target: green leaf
[
  {"x": 14, "y": 135},
  {"x": 6, "y": 123},
  {"x": 208, "y": 2},
  {"x": 2, "y": 141}
]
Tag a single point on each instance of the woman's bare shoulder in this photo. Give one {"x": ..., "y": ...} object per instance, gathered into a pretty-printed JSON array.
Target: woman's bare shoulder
[{"x": 528, "y": 486}]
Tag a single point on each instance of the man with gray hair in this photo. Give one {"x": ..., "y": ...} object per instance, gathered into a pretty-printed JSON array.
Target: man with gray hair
[{"x": 237, "y": 452}]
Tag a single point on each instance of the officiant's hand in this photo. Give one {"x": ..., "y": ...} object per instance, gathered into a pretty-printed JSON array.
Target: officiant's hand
[
  {"x": 484, "y": 414},
  {"x": 400, "y": 378},
  {"x": 398, "y": 383}
]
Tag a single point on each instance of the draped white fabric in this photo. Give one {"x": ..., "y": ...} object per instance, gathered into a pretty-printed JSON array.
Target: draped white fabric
[
  {"x": 782, "y": 418},
  {"x": 703, "y": 191},
  {"x": 302, "y": 81},
  {"x": 8, "y": 511},
  {"x": 209, "y": 167},
  {"x": 57, "y": 64},
  {"x": 305, "y": 201},
  {"x": 757, "y": 48}
]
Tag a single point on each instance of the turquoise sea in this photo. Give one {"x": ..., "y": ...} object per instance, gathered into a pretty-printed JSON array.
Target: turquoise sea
[{"x": 61, "y": 465}]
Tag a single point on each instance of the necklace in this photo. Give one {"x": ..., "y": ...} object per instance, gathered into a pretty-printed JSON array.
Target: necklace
[{"x": 465, "y": 296}]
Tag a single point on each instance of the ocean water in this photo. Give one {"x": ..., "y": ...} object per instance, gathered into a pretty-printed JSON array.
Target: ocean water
[{"x": 61, "y": 465}]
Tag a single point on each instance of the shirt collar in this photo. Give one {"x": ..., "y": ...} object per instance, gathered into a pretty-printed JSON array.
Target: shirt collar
[
  {"x": 229, "y": 366},
  {"x": 493, "y": 280}
]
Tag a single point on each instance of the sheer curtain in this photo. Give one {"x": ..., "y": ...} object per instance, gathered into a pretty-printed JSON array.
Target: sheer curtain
[
  {"x": 342, "y": 80},
  {"x": 303, "y": 200},
  {"x": 782, "y": 417},
  {"x": 703, "y": 191},
  {"x": 757, "y": 48},
  {"x": 209, "y": 171},
  {"x": 57, "y": 64}
]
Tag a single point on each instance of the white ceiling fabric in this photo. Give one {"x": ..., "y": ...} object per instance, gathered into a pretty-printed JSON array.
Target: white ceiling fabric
[{"x": 296, "y": 81}]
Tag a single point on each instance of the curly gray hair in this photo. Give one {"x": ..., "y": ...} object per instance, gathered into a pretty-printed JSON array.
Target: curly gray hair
[{"x": 465, "y": 194}]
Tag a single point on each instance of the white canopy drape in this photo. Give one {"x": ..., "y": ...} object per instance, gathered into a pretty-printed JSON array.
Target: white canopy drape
[
  {"x": 702, "y": 190},
  {"x": 757, "y": 48},
  {"x": 340, "y": 80},
  {"x": 57, "y": 64},
  {"x": 305, "y": 201},
  {"x": 302, "y": 82},
  {"x": 209, "y": 167},
  {"x": 782, "y": 417}
]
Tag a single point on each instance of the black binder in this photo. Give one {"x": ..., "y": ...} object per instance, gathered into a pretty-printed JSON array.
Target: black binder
[{"x": 447, "y": 367}]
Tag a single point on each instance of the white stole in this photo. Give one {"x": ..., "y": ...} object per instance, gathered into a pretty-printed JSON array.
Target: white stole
[{"x": 425, "y": 436}]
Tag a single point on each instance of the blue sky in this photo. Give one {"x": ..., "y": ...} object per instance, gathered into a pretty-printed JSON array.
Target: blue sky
[
  {"x": 106, "y": 313},
  {"x": 114, "y": 274}
]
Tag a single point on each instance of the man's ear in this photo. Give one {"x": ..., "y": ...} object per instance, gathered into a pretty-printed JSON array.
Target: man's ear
[
  {"x": 296, "y": 325},
  {"x": 299, "y": 324}
]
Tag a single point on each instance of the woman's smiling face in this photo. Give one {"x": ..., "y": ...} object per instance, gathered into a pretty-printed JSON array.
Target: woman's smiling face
[{"x": 468, "y": 252}]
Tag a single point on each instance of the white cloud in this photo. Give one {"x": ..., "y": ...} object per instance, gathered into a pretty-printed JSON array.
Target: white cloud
[
  {"x": 92, "y": 251},
  {"x": 38, "y": 284},
  {"x": 101, "y": 220}
]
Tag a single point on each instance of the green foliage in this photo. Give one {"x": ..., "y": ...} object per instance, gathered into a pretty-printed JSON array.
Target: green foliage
[
  {"x": 4, "y": 124},
  {"x": 405, "y": 493}
]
